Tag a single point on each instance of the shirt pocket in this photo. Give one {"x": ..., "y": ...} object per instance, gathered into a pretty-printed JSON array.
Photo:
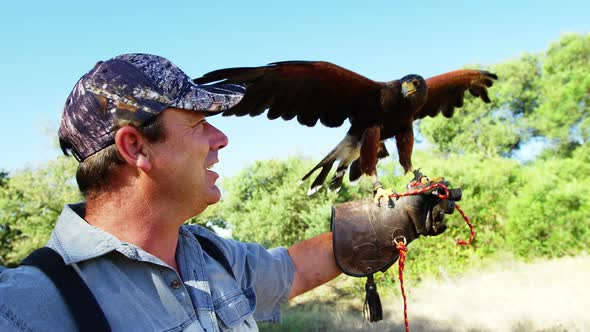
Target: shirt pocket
[{"x": 236, "y": 308}]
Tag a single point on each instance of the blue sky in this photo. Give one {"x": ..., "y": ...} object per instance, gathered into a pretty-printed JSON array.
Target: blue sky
[{"x": 47, "y": 46}]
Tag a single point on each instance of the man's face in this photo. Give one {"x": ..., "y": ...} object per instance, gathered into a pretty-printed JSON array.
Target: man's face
[{"x": 182, "y": 160}]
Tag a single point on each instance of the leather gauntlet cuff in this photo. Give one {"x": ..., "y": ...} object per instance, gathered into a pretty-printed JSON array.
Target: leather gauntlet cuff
[{"x": 364, "y": 232}]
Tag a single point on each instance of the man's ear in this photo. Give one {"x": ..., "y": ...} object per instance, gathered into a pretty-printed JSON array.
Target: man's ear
[{"x": 133, "y": 147}]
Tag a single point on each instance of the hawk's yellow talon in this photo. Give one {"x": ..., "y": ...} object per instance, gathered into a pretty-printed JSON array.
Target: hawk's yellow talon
[
  {"x": 438, "y": 179},
  {"x": 380, "y": 193}
]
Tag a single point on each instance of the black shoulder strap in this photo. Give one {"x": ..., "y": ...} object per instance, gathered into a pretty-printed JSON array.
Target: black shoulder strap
[
  {"x": 213, "y": 250},
  {"x": 79, "y": 299}
]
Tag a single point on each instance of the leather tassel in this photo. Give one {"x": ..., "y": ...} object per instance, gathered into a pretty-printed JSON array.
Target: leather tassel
[{"x": 372, "y": 301}]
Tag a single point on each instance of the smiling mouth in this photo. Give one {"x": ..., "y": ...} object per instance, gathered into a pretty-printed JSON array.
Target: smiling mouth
[{"x": 210, "y": 166}]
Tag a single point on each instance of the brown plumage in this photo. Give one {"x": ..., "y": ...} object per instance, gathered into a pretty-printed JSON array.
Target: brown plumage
[{"x": 316, "y": 90}]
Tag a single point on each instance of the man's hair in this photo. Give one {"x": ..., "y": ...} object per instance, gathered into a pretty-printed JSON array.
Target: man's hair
[{"x": 95, "y": 172}]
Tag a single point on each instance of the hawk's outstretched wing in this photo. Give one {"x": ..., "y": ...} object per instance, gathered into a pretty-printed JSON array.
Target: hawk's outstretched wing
[
  {"x": 308, "y": 90},
  {"x": 446, "y": 91}
]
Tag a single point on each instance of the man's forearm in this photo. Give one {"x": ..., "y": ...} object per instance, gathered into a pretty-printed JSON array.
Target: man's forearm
[{"x": 314, "y": 263}]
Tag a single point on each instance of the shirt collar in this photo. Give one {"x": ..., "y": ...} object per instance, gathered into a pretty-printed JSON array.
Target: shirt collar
[{"x": 76, "y": 240}]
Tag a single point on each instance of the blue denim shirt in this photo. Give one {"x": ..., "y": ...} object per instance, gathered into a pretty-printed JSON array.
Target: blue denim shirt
[{"x": 139, "y": 292}]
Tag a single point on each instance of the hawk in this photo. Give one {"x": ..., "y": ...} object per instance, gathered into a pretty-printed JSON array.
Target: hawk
[{"x": 313, "y": 91}]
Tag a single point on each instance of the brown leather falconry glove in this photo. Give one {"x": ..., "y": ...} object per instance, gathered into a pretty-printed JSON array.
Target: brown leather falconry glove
[{"x": 365, "y": 233}]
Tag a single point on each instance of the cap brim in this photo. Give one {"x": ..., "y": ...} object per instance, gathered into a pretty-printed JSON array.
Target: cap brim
[{"x": 212, "y": 99}]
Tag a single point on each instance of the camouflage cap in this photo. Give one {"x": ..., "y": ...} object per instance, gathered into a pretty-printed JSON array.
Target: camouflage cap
[{"x": 132, "y": 89}]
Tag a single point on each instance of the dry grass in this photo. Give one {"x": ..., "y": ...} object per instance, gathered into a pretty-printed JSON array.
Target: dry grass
[{"x": 542, "y": 296}]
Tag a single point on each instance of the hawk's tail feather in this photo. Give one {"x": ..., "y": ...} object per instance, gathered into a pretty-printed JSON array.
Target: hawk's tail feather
[
  {"x": 326, "y": 166},
  {"x": 321, "y": 178},
  {"x": 338, "y": 177},
  {"x": 355, "y": 171},
  {"x": 330, "y": 158},
  {"x": 346, "y": 151}
]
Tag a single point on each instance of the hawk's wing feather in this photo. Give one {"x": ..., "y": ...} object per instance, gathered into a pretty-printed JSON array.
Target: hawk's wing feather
[
  {"x": 308, "y": 90},
  {"x": 446, "y": 91}
]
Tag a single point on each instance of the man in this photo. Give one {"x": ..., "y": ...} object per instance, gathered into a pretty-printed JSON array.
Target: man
[{"x": 138, "y": 126}]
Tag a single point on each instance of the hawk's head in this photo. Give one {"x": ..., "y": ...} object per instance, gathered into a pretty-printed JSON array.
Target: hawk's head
[{"x": 414, "y": 89}]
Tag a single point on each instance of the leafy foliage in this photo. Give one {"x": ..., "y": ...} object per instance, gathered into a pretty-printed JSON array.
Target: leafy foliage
[
  {"x": 545, "y": 95},
  {"x": 492, "y": 129},
  {"x": 549, "y": 218},
  {"x": 30, "y": 202},
  {"x": 264, "y": 203},
  {"x": 488, "y": 184},
  {"x": 563, "y": 115}
]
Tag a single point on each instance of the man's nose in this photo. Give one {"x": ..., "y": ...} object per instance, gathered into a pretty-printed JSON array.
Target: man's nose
[{"x": 218, "y": 138}]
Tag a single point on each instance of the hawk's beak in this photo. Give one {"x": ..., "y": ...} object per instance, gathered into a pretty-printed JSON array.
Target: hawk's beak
[{"x": 408, "y": 88}]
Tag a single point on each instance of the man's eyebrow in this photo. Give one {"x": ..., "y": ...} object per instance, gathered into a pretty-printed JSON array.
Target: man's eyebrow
[{"x": 196, "y": 119}]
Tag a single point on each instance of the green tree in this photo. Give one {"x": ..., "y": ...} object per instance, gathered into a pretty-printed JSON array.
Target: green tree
[
  {"x": 544, "y": 95},
  {"x": 563, "y": 115},
  {"x": 6, "y": 232},
  {"x": 492, "y": 129},
  {"x": 3, "y": 178},
  {"x": 264, "y": 203},
  {"x": 550, "y": 216},
  {"x": 488, "y": 184},
  {"x": 30, "y": 202}
]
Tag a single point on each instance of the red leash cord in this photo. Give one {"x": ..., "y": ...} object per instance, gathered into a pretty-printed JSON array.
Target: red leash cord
[
  {"x": 401, "y": 244},
  {"x": 471, "y": 230}
]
